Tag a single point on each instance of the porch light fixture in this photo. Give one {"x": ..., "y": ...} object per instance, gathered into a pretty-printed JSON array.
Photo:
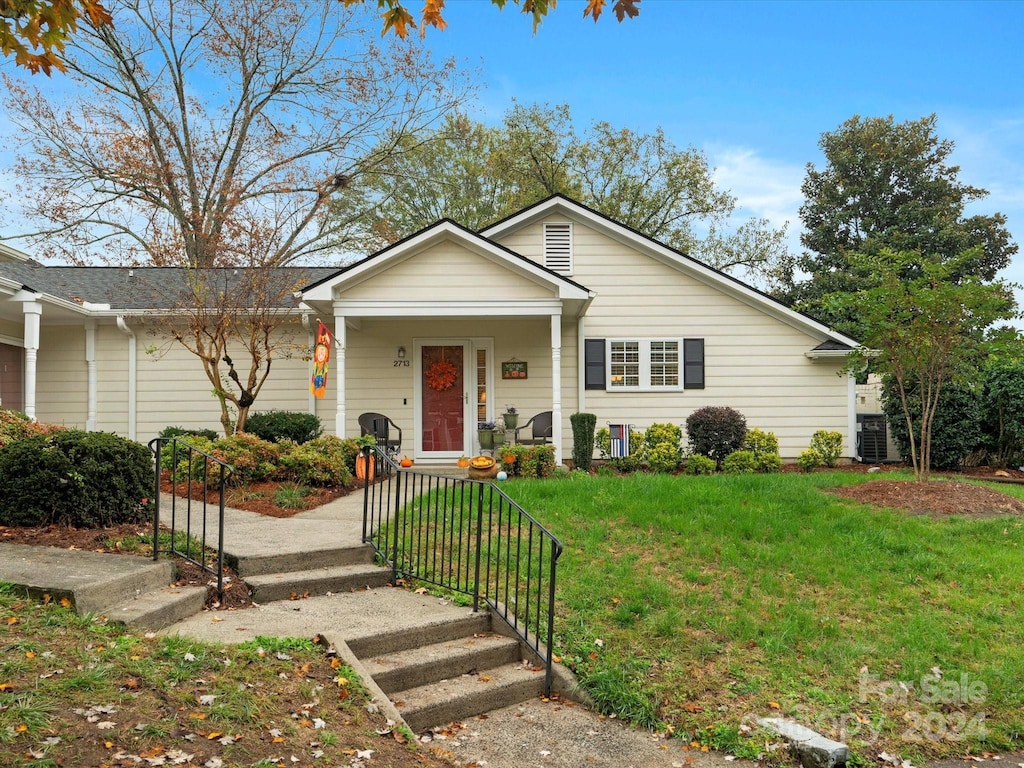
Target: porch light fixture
[{"x": 401, "y": 353}]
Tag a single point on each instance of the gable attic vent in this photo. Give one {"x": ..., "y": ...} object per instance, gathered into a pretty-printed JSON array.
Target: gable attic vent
[{"x": 558, "y": 247}]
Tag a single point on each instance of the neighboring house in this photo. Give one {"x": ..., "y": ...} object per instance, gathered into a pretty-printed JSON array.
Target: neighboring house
[{"x": 557, "y": 308}]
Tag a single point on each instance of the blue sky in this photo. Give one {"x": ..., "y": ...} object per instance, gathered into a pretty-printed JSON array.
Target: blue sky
[{"x": 755, "y": 84}]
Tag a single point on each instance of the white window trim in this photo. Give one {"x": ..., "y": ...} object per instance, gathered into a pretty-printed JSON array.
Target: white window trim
[{"x": 645, "y": 365}]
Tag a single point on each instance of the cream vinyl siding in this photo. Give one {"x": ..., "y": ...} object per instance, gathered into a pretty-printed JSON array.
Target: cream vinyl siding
[
  {"x": 12, "y": 330},
  {"x": 112, "y": 378},
  {"x": 752, "y": 361},
  {"x": 61, "y": 390},
  {"x": 447, "y": 272},
  {"x": 373, "y": 383},
  {"x": 173, "y": 389}
]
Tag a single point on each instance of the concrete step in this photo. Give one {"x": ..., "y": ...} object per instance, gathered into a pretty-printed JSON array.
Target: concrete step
[
  {"x": 458, "y": 626},
  {"x": 441, "y": 661},
  {"x": 466, "y": 696},
  {"x": 121, "y": 587},
  {"x": 266, "y": 588},
  {"x": 330, "y": 557},
  {"x": 159, "y": 608}
]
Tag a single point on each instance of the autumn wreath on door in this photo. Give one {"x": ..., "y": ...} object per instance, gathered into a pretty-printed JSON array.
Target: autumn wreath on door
[{"x": 441, "y": 375}]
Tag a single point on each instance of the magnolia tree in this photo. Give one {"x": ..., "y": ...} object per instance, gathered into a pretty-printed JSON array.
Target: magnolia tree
[
  {"x": 209, "y": 134},
  {"x": 924, "y": 331}
]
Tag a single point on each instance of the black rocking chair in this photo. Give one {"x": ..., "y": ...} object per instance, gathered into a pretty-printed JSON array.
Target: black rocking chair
[{"x": 384, "y": 429}]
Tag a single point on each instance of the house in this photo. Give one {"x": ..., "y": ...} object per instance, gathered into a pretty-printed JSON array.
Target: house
[{"x": 556, "y": 308}]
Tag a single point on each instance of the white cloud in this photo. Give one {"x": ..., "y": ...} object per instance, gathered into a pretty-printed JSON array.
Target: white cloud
[{"x": 763, "y": 187}]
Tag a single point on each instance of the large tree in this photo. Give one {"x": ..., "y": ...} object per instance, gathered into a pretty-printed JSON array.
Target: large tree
[
  {"x": 213, "y": 133},
  {"x": 924, "y": 325},
  {"x": 35, "y": 32},
  {"x": 477, "y": 174},
  {"x": 888, "y": 185}
]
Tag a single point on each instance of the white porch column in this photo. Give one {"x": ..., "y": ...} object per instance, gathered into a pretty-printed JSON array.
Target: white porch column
[
  {"x": 556, "y": 385},
  {"x": 90, "y": 369},
  {"x": 339, "y": 373},
  {"x": 33, "y": 310}
]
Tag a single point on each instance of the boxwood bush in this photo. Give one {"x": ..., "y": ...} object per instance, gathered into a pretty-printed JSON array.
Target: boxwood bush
[
  {"x": 275, "y": 426},
  {"x": 77, "y": 478}
]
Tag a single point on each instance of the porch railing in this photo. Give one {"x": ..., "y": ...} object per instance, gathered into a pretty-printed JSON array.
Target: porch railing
[
  {"x": 191, "y": 520},
  {"x": 469, "y": 537}
]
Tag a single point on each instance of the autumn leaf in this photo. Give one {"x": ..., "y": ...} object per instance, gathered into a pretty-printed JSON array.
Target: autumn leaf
[{"x": 12, "y": 620}]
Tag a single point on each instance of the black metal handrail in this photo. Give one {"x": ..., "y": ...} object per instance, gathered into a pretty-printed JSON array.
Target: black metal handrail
[
  {"x": 191, "y": 468},
  {"x": 467, "y": 536}
]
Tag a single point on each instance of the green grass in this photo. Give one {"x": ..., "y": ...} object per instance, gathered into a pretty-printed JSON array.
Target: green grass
[
  {"x": 701, "y": 601},
  {"x": 76, "y": 691}
]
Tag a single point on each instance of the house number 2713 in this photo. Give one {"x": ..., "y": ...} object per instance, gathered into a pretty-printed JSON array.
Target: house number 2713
[{"x": 402, "y": 363}]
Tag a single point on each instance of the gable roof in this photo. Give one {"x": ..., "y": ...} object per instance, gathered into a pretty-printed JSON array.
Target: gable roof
[
  {"x": 666, "y": 254},
  {"x": 445, "y": 229}
]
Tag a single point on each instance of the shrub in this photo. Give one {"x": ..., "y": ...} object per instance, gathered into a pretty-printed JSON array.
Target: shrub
[
  {"x": 76, "y": 478},
  {"x": 537, "y": 461},
  {"x": 637, "y": 447},
  {"x": 516, "y": 453},
  {"x": 583, "y": 426},
  {"x": 251, "y": 458},
  {"x": 275, "y": 426},
  {"x": 663, "y": 452},
  {"x": 1003, "y": 423},
  {"x": 322, "y": 461},
  {"x": 716, "y": 431},
  {"x": 809, "y": 459},
  {"x": 828, "y": 445},
  {"x": 183, "y": 432},
  {"x": 15, "y": 425},
  {"x": 664, "y": 457},
  {"x": 956, "y": 428},
  {"x": 696, "y": 464},
  {"x": 740, "y": 463},
  {"x": 765, "y": 447}
]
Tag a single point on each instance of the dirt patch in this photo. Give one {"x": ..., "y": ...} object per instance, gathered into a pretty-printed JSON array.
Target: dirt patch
[
  {"x": 124, "y": 540},
  {"x": 939, "y": 497}
]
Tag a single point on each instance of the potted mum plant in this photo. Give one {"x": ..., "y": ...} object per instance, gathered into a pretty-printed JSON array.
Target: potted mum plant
[
  {"x": 510, "y": 417},
  {"x": 485, "y": 434}
]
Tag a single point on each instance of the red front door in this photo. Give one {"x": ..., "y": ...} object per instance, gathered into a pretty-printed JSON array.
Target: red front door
[{"x": 443, "y": 405}]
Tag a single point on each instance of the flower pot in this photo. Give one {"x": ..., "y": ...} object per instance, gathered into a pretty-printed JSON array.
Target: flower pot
[
  {"x": 486, "y": 438},
  {"x": 499, "y": 438},
  {"x": 365, "y": 467},
  {"x": 511, "y": 420}
]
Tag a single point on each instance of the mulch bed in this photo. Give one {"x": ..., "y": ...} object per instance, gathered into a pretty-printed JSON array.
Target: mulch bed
[
  {"x": 256, "y": 497},
  {"x": 940, "y": 497}
]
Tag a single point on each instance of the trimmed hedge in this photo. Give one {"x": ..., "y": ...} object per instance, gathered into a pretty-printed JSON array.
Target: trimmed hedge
[
  {"x": 76, "y": 478},
  {"x": 276, "y": 426},
  {"x": 583, "y": 426}
]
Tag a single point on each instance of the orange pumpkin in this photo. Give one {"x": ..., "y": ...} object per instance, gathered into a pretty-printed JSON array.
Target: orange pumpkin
[
  {"x": 365, "y": 467},
  {"x": 406, "y": 461},
  {"x": 462, "y": 462}
]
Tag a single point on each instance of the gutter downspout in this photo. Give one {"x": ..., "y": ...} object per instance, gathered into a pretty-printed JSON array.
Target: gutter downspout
[
  {"x": 132, "y": 374},
  {"x": 310, "y": 343},
  {"x": 90, "y": 368}
]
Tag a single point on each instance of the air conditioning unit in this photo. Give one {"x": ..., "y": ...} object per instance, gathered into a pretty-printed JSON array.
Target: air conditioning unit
[{"x": 872, "y": 447}]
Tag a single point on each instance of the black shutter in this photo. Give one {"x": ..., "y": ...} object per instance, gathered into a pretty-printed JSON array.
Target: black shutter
[
  {"x": 593, "y": 355},
  {"x": 693, "y": 363}
]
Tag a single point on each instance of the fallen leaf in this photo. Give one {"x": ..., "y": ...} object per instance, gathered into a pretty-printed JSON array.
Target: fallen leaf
[
  {"x": 30, "y": 654},
  {"x": 105, "y": 725},
  {"x": 774, "y": 705}
]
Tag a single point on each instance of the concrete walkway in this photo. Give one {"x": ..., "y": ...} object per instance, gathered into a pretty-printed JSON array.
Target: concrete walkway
[{"x": 534, "y": 733}]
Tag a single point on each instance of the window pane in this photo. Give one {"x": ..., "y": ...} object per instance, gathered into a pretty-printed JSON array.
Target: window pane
[
  {"x": 625, "y": 364},
  {"x": 664, "y": 363}
]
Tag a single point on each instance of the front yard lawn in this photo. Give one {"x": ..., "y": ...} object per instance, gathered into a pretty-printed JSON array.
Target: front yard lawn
[{"x": 702, "y": 602}]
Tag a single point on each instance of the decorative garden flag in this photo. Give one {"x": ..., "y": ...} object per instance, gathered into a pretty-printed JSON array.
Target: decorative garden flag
[{"x": 321, "y": 358}]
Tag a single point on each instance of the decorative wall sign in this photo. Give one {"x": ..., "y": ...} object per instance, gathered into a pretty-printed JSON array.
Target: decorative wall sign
[{"x": 513, "y": 369}]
